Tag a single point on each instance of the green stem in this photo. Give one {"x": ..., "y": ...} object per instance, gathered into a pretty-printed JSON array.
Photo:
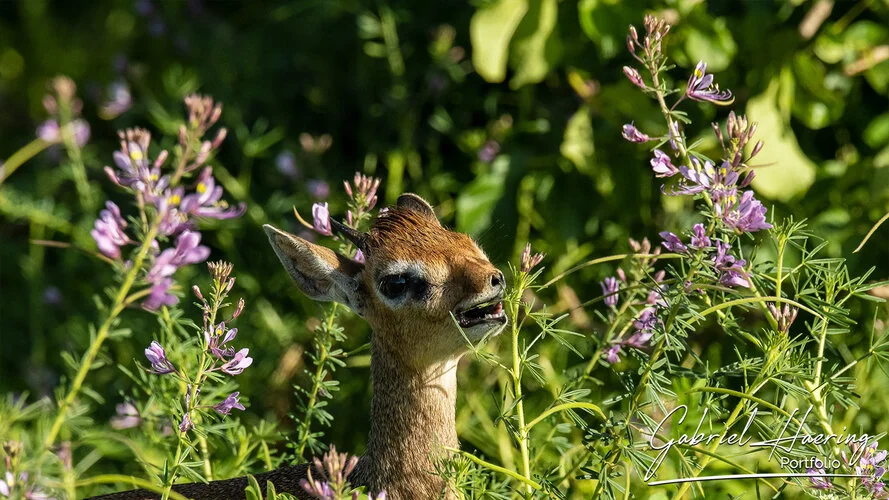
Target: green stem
[
  {"x": 93, "y": 351},
  {"x": 66, "y": 127},
  {"x": 762, "y": 300},
  {"x": 565, "y": 406},
  {"x": 496, "y": 468},
  {"x": 517, "y": 388},
  {"x": 21, "y": 156},
  {"x": 323, "y": 353}
]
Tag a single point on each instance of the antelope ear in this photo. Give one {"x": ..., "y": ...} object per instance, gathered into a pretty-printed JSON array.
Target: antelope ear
[
  {"x": 318, "y": 271},
  {"x": 416, "y": 204}
]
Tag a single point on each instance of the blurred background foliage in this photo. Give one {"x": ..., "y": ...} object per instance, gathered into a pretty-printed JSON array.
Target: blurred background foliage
[{"x": 505, "y": 114}]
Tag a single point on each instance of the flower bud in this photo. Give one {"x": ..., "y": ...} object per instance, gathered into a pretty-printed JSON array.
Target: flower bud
[
  {"x": 239, "y": 309},
  {"x": 220, "y": 136}
]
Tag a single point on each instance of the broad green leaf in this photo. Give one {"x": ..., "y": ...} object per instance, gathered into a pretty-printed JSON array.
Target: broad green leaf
[
  {"x": 788, "y": 171},
  {"x": 536, "y": 46},
  {"x": 878, "y": 77},
  {"x": 876, "y": 134},
  {"x": 577, "y": 144},
  {"x": 477, "y": 200},
  {"x": 490, "y": 32}
]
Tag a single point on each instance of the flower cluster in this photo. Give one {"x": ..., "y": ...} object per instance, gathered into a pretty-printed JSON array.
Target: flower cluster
[
  {"x": 165, "y": 208},
  {"x": 64, "y": 109},
  {"x": 645, "y": 323},
  {"x": 530, "y": 261},
  {"x": 362, "y": 199},
  {"x": 21, "y": 485},
  {"x": 723, "y": 186},
  {"x": 731, "y": 270},
  {"x": 871, "y": 467},
  {"x": 334, "y": 469},
  {"x": 218, "y": 354}
]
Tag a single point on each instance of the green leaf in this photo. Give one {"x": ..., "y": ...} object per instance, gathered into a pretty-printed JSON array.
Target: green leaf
[
  {"x": 577, "y": 144},
  {"x": 477, "y": 200},
  {"x": 536, "y": 44},
  {"x": 878, "y": 77},
  {"x": 490, "y": 32},
  {"x": 876, "y": 134},
  {"x": 788, "y": 171}
]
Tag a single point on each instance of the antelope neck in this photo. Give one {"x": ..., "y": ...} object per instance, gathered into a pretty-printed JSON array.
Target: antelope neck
[{"x": 412, "y": 417}]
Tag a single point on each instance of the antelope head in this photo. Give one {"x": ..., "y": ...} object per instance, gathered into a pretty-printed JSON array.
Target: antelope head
[{"x": 420, "y": 284}]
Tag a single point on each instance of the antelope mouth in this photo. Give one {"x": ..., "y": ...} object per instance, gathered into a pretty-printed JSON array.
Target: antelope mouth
[{"x": 489, "y": 311}]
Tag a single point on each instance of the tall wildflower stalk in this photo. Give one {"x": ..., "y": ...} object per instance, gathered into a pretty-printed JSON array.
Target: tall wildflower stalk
[
  {"x": 165, "y": 214},
  {"x": 326, "y": 354}
]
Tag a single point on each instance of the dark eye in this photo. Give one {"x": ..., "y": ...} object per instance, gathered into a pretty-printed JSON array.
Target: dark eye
[{"x": 394, "y": 286}]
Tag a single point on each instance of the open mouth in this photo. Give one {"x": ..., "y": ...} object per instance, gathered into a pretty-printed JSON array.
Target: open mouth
[{"x": 488, "y": 311}]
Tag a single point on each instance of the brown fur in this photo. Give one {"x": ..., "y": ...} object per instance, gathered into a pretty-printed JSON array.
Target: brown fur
[{"x": 415, "y": 347}]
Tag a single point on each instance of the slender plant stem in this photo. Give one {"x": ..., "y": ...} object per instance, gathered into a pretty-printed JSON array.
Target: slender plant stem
[
  {"x": 323, "y": 354},
  {"x": 21, "y": 156},
  {"x": 117, "y": 307},
  {"x": 517, "y": 385}
]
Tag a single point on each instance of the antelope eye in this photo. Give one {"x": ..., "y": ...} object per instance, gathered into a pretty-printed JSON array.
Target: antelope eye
[{"x": 394, "y": 286}]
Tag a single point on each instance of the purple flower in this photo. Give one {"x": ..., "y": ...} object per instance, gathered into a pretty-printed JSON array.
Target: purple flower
[
  {"x": 611, "y": 354},
  {"x": 319, "y": 189},
  {"x": 173, "y": 221},
  {"x": 610, "y": 288},
  {"x": 701, "y": 87},
  {"x": 207, "y": 200},
  {"x": 133, "y": 168},
  {"x": 126, "y": 418},
  {"x": 50, "y": 131},
  {"x": 359, "y": 256},
  {"x": 119, "y": 100},
  {"x": 238, "y": 363},
  {"x": 746, "y": 216},
  {"x": 662, "y": 165},
  {"x": 818, "y": 481},
  {"x": 321, "y": 218},
  {"x": 216, "y": 342},
  {"x": 871, "y": 467},
  {"x": 656, "y": 295},
  {"x": 231, "y": 402},
  {"x": 285, "y": 162},
  {"x": 647, "y": 320},
  {"x": 732, "y": 272},
  {"x": 109, "y": 231},
  {"x": 156, "y": 355},
  {"x": 632, "y": 134},
  {"x": 529, "y": 261},
  {"x": 160, "y": 295},
  {"x": 634, "y": 77},
  {"x": 672, "y": 242},
  {"x": 186, "y": 424},
  {"x": 699, "y": 239},
  {"x": 489, "y": 151},
  {"x": 188, "y": 250}
]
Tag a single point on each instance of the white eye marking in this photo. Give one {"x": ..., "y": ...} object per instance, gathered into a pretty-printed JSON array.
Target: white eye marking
[{"x": 412, "y": 268}]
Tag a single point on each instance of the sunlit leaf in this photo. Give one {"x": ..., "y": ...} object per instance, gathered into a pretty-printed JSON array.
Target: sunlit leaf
[
  {"x": 788, "y": 171},
  {"x": 490, "y": 31}
]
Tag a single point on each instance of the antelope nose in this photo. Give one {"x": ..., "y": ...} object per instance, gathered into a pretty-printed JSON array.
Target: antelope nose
[{"x": 497, "y": 280}]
